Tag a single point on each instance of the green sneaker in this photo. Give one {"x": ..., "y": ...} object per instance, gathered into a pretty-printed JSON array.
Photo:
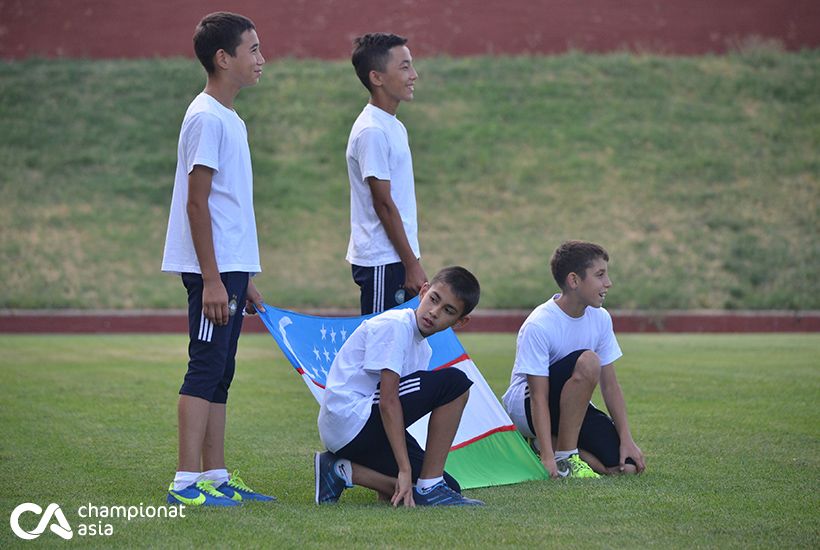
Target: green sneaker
[{"x": 575, "y": 467}]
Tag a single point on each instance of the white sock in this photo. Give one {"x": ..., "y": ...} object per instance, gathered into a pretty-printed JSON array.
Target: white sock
[
  {"x": 344, "y": 469},
  {"x": 184, "y": 479},
  {"x": 559, "y": 455},
  {"x": 218, "y": 476},
  {"x": 423, "y": 485}
]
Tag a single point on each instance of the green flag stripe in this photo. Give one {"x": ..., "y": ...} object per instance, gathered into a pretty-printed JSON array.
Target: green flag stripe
[{"x": 499, "y": 459}]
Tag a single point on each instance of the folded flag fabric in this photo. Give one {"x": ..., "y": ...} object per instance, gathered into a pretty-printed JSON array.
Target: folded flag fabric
[{"x": 487, "y": 449}]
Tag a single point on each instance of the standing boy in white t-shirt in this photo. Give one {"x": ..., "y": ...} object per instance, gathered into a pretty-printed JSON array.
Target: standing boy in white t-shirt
[
  {"x": 565, "y": 348},
  {"x": 211, "y": 242},
  {"x": 384, "y": 246},
  {"x": 379, "y": 385}
]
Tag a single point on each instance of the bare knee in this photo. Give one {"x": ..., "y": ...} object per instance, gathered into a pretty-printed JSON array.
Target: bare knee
[{"x": 588, "y": 367}]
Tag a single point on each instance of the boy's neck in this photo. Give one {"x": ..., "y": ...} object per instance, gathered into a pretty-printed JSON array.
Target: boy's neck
[
  {"x": 221, "y": 91},
  {"x": 570, "y": 304},
  {"x": 387, "y": 105}
]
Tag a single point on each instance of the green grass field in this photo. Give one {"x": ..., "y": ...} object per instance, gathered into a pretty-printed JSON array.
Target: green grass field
[
  {"x": 729, "y": 424},
  {"x": 700, "y": 175}
]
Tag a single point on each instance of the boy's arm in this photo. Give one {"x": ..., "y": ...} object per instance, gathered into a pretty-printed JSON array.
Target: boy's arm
[
  {"x": 616, "y": 405},
  {"x": 389, "y": 215},
  {"x": 214, "y": 295},
  {"x": 393, "y": 421},
  {"x": 539, "y": 390}
]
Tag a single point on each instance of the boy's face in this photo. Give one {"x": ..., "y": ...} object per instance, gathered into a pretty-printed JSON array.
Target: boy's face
[
  {"x": 593, "y": 287},
  {"x": 399, "y": 77},
  {"x": 439, "y": 309},
  {"x": 245, "y": 67}
]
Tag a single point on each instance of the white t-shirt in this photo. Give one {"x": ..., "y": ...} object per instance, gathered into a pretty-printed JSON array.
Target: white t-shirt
[
  {"x": 378, "y": 147},
  {"x": 549, "y": 334},
  {"x": 391, "y": 340},
  {"x": 214, "y": 136}
]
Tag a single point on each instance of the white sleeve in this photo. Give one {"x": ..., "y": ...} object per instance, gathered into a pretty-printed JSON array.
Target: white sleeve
[
  {"x": 385, "y": 347},
  {"x": 608, "y": 349},
  {"x": 201, "y": 141},
  {"x": 372, "y": 152},
  {"x": 532, "y": 355}
]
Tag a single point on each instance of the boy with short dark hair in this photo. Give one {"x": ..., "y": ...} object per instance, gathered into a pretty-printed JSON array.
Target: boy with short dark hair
[
  {"x": 211, "y": 242},
  {"x": 384, "y": 247},
  {"x": 378, "y": 385},
  {"x": 565, "y": 348}
]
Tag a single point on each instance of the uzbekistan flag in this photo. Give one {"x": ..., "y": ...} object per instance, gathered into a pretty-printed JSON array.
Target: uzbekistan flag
[{"x": 487, "y": 449}]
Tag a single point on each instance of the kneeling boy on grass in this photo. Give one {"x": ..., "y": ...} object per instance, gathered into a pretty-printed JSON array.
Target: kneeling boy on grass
[
  {"x": 565, "y": 348},
  {"x": 379, "y": 384}
]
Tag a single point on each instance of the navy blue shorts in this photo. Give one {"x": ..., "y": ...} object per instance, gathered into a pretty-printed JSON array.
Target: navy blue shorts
[
  {"x": 212, "y": 349},
  {"x": 598, "y": 435},
  {"x": 382, "y": 287},
  {"x": 419, "y": 393}
]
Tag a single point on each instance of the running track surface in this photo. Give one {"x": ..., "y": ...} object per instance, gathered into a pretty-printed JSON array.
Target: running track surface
[
  {"x": 159, "y": 321},
  {"x": 325, "y": 28}
]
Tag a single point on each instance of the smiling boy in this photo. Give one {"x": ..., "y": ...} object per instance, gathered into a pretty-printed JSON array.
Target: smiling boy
[
  {"x": 565, "y": 348},
  {"x": 212, "y": 244},
  {"x": 379, "y": 385},
  {"x": 384, "y": 247}
]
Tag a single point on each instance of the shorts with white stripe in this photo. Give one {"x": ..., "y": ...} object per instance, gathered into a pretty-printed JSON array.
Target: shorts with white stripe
[
  {"x": 419, "y": 393},
  {"x": 212, "y": 349},
  {"x": 382, "y": 287}
]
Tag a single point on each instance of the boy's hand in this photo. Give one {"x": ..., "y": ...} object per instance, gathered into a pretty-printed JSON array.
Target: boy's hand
[
  {"x": 628, "y": 449},
  {"x": 254, "y": 299},
  {"x": 215, "y": 302},
  {"x": 550, "y": 466},
  {"x": 404, "y": 491},
  {"x": 414, "y": 278}
]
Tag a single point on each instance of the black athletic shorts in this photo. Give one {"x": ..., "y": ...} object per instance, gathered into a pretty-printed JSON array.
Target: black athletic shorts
[
  {"x": 212, "y": 349},
  {"x": 419, "y": 393},
  {"x": 598, "y": 435},
  {"x": 382, "y": 287}
]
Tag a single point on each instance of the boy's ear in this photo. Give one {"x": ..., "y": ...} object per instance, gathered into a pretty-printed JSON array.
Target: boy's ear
[
  {"x": 462, "y": 322},
  {"x": 423, "y": 290},
  {"x": 572, "y": 280},
  {"x": 221, "y": 59},
  {"x": 375, "y": 78}
]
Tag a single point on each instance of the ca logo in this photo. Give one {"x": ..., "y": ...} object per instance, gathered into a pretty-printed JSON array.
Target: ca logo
[{"x": 61, "y": 528}]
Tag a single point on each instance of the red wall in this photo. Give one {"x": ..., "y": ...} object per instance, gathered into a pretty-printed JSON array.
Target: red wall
[{"x": 325, "y": 28}]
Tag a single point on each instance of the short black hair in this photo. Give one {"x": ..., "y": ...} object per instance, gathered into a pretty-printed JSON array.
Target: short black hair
[
  {"x": 574, "y": 257},
  {"x": 221, "y": 30},
  {"x": 371, "y": 52},
  {"x": 463, "y": 284}
]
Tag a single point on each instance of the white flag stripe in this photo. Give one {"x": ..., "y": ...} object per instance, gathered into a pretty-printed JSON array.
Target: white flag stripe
[{"x": 483, "y": 412}]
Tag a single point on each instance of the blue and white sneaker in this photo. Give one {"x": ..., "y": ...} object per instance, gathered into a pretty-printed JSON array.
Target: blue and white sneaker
[
  {"x": 201, "y": 493},
  {"x": 442, "y": 495},
  {"x": 235, "y": 489},
  {"x": 329, "y": 484}
]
